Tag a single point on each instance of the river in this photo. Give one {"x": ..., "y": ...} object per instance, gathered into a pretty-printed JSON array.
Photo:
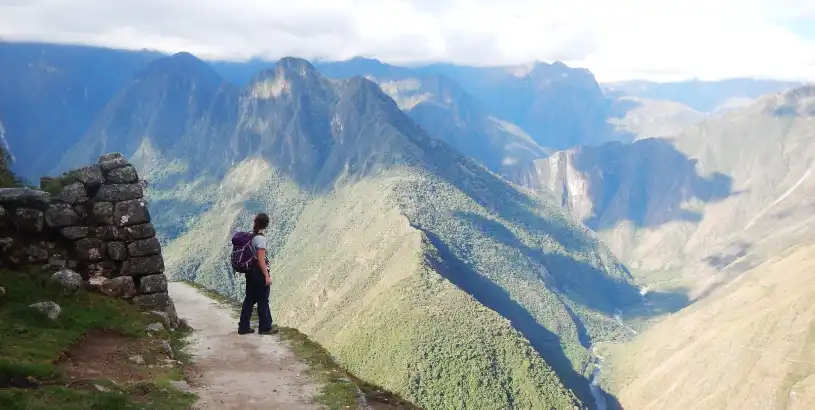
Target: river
[
  {"x": 597, "y": 362},
  {"x": 594, "y": 383}
]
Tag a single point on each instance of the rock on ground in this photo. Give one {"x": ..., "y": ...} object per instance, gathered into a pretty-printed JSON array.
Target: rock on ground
[
  {"x": 120, "y": 287},
  {"x": 51, "y": 309},
  {"x": 138, "y": 359},
  {"x": 165, "y": 318},
  {"x": 155, "y": 327},
  {"x": 68, "y": 280}
]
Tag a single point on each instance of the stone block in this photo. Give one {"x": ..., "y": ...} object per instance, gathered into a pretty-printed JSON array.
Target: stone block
[
  {"x": 120, "y": 287},
  {"x": 142, "y": 266},
  {"x": 144, "y": 247},
  {"x": 125, "y": 175},
  {"x": 74, "y": 232},
  {"x": 133, "y": 212},
  {"x": 25, "y": 197},
  {"x": 136, "y": 232},
  {"x": 156, "y": 301},
  {"x": 113, "y": 164},
  {"x": 106, "y": 232},
  {"x": 119, "y": 192},
  {"x": 153, "y": 284},
  {"x": 91, "y": 176},
  {"x": 102, "y": 213},
  {"x": 110, "y": 156},
  {"x": 90, "y": 249},
  {"x": 61, "y": 215},
  {"x": 117, "y": 251},
  {"x": 29, "y": 220},
  {"x": 106, "y": 269},
  {"x": 73, "y": 194},
  {"x": 36, "y": 254}
]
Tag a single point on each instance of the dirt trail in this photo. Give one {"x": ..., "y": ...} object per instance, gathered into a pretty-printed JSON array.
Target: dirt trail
[{"x": 240, "y": 372}]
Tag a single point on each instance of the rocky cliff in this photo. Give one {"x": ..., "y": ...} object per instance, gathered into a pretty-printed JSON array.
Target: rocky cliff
[{"x": 95, "y": 221}]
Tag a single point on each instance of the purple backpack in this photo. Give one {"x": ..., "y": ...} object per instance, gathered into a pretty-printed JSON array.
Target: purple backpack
[{"x": 242, "y": 258}]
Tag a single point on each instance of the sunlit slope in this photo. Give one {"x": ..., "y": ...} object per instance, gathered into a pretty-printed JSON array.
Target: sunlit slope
[
  {"x": 361, "y": 196},
  {"x": 750, "y": 345},
  {"x": 352, "y": 273}
]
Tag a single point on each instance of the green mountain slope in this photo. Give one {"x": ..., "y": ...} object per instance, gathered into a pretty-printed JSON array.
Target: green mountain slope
[{"x": 418, "y": 268}]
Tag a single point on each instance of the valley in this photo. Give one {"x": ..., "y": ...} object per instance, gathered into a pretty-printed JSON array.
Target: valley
[{"x": 470, "y": 237}]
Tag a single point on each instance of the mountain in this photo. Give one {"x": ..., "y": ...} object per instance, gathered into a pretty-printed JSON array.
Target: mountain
[
  {"x": 639, "y": 118},
  {"x": 49, "y": 95},
  {"x": 3, "y": 142},
  {"x": 703, "y": 96},
  {"x": 723, "y": 214},
  {"x": 414, "y": 265},
  {"x": 558, "y": 106},
  {"x": 748, "y": 345},
  {"x": 447, "y": 112},
  {"x": 706, "y": 183},
  {"x": 7, "y": 178}
]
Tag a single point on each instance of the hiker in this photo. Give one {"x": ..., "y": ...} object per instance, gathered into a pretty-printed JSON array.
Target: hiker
[{"x": 249, "y": 256}]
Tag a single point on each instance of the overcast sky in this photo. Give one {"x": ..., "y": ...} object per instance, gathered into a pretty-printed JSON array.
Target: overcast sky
[{"x": 616, "y": 39}]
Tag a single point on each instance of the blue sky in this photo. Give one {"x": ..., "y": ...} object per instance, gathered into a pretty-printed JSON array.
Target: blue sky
[
  {"x": 617, "y": 40},
  {"x": 805, "y": 28}
]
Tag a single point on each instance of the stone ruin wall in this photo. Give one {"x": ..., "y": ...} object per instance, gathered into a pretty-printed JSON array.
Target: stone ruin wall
[{"x": 95, "y": 222}]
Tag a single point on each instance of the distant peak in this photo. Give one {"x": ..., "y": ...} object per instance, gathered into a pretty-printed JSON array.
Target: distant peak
[
  {"x": 297, "y": 64},
  {"x": 369, "y": 60},
  {"x": 286, "y": 74},
  {"x": 182, "y": 64},
  {"x": 184, "y": 55}
]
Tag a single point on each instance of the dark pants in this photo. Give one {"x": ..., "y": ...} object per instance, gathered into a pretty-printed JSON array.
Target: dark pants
[{"x": 256, "y": 293}]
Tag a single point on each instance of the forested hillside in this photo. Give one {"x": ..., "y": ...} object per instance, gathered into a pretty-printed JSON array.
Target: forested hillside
[{"x": 379, "y": 232}]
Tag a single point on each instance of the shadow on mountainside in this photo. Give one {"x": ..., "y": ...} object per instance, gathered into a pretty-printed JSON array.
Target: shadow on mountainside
[
  {"x": 494, "y": 297},
  {"x": 584, "y": 284},
  {"x": 647, "y": 182},
  {"x": 580, "y": 282}
]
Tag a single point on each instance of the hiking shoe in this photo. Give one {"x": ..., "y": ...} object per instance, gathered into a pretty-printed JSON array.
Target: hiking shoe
[
  {"x": 271, "y": 331},
  {"x": 245, "y": 331}
]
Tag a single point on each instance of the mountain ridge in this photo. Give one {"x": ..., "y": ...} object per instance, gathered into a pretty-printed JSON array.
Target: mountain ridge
[
  {"x": 50, "y": 93},
  {"x": 448, "y": 112},
  {"x": 350, "y": 137},
  {"x": 703, "y": 96}
]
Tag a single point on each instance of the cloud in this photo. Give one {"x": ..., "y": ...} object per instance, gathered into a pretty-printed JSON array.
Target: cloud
[{"x": 656, "y": 39}]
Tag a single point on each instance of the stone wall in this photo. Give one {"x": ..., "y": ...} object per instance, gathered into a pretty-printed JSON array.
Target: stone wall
[{"x": 92, "y": 220}]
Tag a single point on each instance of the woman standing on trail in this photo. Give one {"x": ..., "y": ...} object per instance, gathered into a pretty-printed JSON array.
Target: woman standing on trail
[{"x": 258, "y": 283}]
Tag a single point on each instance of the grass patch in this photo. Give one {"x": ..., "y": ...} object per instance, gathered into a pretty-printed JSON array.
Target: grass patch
[
  {"x": 146, "y": 396},
  {"x": 179, "y": 340},
  {"x": 341, "y": 389},
  {"x": 55, "y": 185},
  {"x": 31, "y": 346}
]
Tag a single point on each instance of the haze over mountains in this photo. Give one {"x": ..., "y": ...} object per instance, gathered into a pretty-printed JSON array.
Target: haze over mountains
[
  {"x": 703, "y": 96},
  {"x": 337, "y": 162},
  {"x": 470, "y": 237}
]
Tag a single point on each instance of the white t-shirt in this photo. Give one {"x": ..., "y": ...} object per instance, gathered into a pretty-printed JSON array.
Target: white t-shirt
[{"x": 259, "y": 242}]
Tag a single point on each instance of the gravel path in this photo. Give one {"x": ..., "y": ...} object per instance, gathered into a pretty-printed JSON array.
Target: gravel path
[{"x": 239, "y": 372}]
